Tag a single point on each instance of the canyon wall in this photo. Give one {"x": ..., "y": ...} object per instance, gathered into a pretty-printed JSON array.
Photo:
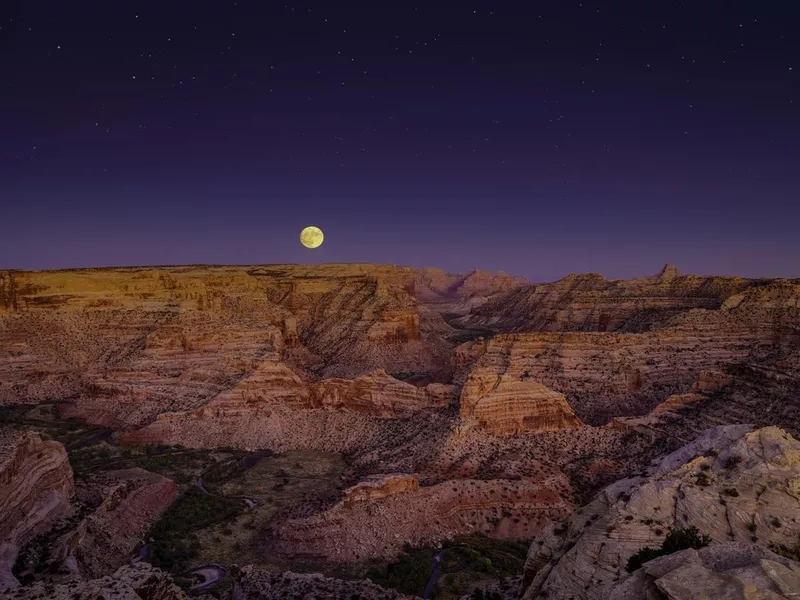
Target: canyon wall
[
  {"x": 152, "y": 340},
  {"x": 355, "y": 531},
  {"x": 35, "y": 490},
  {"x": 589, "y": 302},
  {"x": 734, "y": 483}
]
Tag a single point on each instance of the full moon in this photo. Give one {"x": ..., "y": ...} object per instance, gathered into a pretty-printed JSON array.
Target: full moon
[{"x": 311, "y": 237}]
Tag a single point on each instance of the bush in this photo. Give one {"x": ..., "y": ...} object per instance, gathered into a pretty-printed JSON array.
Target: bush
[
  {"x": 676, "y": 540},
  {"x": 791, "y": 552}
]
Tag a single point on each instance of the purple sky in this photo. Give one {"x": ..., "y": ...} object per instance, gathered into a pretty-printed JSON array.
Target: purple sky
[{"x": 537, "y": 138}]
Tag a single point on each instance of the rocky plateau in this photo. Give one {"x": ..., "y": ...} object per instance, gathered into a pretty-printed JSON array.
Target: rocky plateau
[{"x": 588, "y": 415}]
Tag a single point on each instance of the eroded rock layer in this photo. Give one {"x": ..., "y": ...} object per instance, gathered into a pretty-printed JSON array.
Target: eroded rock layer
[
  {"x": 504, "y": 405},
  {"x": 132, "y": 501},
  {"x": 352, "y": 532},
  {"x": 589, "y": 302},
  {"x": 130, "y": 343},
  {"x": 733, "y": 571},
  {"x": 733, "y": 483},
  {"x": 35, "y": 489},
  {"x": 604, "y": 375}
]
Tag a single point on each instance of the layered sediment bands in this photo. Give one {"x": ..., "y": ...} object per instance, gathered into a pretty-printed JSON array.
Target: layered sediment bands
[
  {"x": 380, "y": 486},
  {"x": 393, "y": 443},
  {"x": 733, "y": 571},
  {"x": 611, "y": 374},
  {"x": 150, "y": 340},
  {"x": 379, "y": 528},
  {"x": 733, "y": 483},
  {"x": 274, "y": 407},
  {"x": 132, "y": 501},
  {"x": 589, "y": 302},
  {"x": 504, "y": 405},
  {"x": 378, "y": 394},
  {"x": 35, "y": 490},
  {"x": 437, "y": 287}
]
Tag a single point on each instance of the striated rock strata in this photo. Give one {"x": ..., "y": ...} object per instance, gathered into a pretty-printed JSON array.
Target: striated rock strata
[
  {"x": 503, "y": 405},
  {"x": 604, "y": 375},
  {"x": 733, "y": 571},
  {"x": 350, "y": 533},
  {"x": 132, "y": 501},
  {"x": 377, "y": 487},
  {"x": 733, "y": 483},
  {"x": 130, "y": 343},
  {"x": 35, "y": 490},
  {"x": 589, "y": 302}
]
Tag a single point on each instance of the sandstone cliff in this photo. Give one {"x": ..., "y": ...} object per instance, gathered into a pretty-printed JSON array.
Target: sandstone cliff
[
  {"x": 503, "y": 405},
  {"x": 377, "y": 487},
  {"x": 351, "y": 532},
  {"x": 132, "y": 501},
  {"x": 152, "y": 340},
  {"x": 733, "y": 571},
  {"x": 733, "y": 483},
  {"x": 604, "y": 375},
  {"x": 589, "y": 302},
  {"x": 35, "y": 489}
]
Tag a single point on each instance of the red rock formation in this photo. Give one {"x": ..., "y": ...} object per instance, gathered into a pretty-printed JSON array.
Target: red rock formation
[
  {"x": 377, "y": 487},
  {"x": 612, "y": 374},
  {"x": 377, "y": 394},
  {"x": 133, "y": 500},
  {"x": 35, "y": 489},
  {"x": 131, "y": 343},
  {"x": 379, "y": 528},
  {"x": 505, "y": 405},
  {"x": 589, "y": 302}
]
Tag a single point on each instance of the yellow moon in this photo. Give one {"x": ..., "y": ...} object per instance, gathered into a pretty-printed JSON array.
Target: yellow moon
[{"x": 311, "y": 237}]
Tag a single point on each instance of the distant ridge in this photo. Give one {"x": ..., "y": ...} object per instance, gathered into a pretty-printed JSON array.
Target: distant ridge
[{"x": 669, "y": 271}]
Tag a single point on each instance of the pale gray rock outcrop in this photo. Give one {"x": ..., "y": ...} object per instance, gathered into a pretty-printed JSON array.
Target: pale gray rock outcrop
[{"x": 734, "y": 483}]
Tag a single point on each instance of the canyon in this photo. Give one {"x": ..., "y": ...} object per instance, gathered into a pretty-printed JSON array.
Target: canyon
[{"x": 476, "y": 404}]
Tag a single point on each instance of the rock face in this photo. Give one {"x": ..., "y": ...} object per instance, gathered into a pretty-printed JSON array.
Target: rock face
[
  {"x": 151, "y": 340},
  {"x": 353, "y": 532},
  {"x": 589, "y": 302},
  {"x": 139, "y": 581},
  {"x": 252, "y": 583},
  {"x": 273, "y": 404},
  {"x": 505, "y": 405},
  {"x": 377, "y": 487},
  {"x": 604, "y": 375},
  {"x": 733, "y": 483},
  {"x": 35, "y": 489},
  {"x": 133, "y": 500},
  {"x": 378, "y": 394},
  {"x": 462, "y": 292},
  {"x": 733, "y": 571}
]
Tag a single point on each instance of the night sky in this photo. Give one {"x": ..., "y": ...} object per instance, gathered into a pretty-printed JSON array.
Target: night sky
[{"x": 540, "y": 138}]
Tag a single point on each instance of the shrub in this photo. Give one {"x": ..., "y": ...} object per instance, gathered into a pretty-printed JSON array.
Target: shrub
[
  {"x": 733, "y": 461},
  {"x": 791, "y": 552},
  {"x": 676, "y": 540}
]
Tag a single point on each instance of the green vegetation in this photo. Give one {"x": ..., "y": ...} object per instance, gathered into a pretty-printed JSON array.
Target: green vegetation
[
  {"x": 791, "y": 552},
  {"x": 174, "y": 544},
  {"x": 464, "y": 561},
  {"x": 676, "y": 540}
]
